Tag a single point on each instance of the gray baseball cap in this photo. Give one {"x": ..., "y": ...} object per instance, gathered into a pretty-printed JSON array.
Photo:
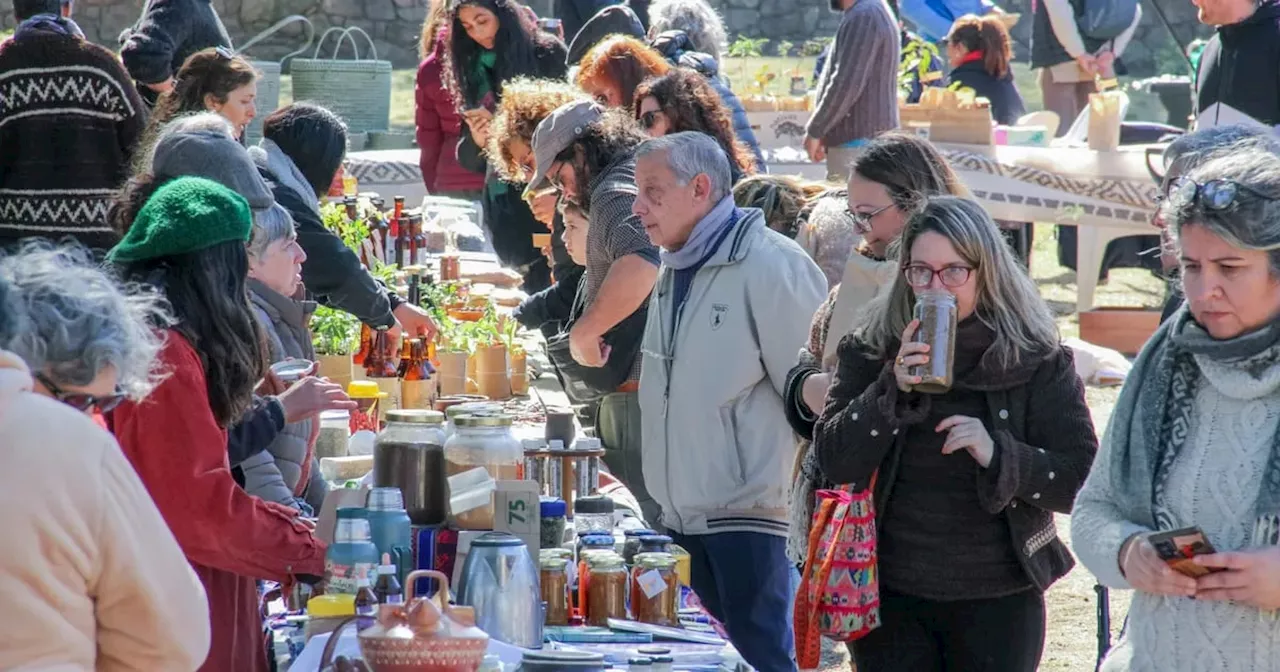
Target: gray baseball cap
[{"x": 554, "y": 135}]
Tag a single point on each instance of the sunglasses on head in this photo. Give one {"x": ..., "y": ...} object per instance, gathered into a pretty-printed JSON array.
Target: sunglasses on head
[
  {"x": 81, "y": 402},
  {"x": 224, "y": 53},
  {"x": 1214, "y": 195}
]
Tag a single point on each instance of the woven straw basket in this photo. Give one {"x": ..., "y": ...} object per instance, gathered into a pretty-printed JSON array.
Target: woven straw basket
[{"x": 358, "y": 90}]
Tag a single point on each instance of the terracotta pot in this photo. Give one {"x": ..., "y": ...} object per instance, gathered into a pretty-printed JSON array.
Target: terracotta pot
[{"x": 472, "y": 386}]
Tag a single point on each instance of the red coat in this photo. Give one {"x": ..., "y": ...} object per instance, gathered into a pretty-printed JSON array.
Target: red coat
[
  {"x": 230, "y": 537},
  {"x": 438, "y": 129}
]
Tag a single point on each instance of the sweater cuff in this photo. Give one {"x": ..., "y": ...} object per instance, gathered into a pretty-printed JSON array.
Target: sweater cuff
[
  {"x": 275, "y": 410},
  {"x": 799, "y": 416}
]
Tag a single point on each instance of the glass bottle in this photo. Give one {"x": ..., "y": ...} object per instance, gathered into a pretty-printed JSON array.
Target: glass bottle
[
  {"x": 415, "y": 378},
  {"x": 380, "y": 367},
  {"x": 936, "y": 311},
  {"x": 366, "y": 343}
]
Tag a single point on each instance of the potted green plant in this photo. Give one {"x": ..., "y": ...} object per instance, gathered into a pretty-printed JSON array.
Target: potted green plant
[
  {"x": 335, "y": 335},
  {"x": 742, "y": 49}
]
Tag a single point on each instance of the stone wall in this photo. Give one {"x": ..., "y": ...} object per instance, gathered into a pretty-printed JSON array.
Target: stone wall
[{"x": 394, "y": 24}]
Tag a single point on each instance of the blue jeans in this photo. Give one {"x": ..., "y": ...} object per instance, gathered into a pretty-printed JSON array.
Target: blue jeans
[{"x": 745, "y": 581}]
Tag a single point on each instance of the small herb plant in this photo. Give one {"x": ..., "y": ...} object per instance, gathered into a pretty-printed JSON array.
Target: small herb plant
[{"x": 334, "y": 332}]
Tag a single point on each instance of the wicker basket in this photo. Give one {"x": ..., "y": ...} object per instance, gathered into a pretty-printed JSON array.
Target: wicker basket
[{"x": 357, "y": 90}]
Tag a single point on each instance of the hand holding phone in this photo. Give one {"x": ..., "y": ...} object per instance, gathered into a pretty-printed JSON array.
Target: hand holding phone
[
  {"x": 1146, "y": 571},
  {"x": 1177, "y": 547}
]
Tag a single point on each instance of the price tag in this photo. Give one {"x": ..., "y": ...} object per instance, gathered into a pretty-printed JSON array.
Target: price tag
[
  {"x": 652, "y": 583},
  {"x": 516, "y": 511}
]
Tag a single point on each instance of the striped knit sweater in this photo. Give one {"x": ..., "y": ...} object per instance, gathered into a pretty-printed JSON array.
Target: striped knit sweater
[{"x": 69, "y": 119}]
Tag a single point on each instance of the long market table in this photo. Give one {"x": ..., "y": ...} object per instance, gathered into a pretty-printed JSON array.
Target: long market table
[{"x": 1106, "y": 195}]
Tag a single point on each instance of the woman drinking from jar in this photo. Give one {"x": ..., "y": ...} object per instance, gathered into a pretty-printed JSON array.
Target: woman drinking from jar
[
  {"x": 889, "y": 181},
  {"x": 189, "y": 243},
  {"x": 1192, "y": 441},
  {"x": 957, "y": 404},
  {"x": 491, "y": 42}
]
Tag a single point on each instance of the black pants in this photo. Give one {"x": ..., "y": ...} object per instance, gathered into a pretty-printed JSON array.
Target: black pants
[{"x": 1000, "y": 635}]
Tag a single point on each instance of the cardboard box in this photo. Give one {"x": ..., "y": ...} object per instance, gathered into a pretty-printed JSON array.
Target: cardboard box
[
  {"x": 775, "y": 130},
  {"x": 1123, "y": 329}
]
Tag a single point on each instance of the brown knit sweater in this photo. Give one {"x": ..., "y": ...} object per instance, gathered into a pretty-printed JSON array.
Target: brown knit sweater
[{"x": 858, "y": 89}]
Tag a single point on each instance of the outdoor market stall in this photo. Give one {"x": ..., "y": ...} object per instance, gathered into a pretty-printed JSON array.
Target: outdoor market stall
[{"x": 455, "y": 464}]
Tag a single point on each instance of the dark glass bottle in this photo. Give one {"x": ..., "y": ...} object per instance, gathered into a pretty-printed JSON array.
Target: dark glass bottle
[
  {"x": 379, "y": 363},
  {"x": 366, "y": 344}
]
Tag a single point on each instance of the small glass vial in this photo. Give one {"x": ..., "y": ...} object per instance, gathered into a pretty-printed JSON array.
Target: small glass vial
[{"x": 936, "y": 311}]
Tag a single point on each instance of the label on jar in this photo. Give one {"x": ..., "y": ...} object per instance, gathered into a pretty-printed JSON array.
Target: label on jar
[
  {"x": 344, "y": 578},
  {"x": 416, "y": 394},
  {"x": 652, "y": 583}
]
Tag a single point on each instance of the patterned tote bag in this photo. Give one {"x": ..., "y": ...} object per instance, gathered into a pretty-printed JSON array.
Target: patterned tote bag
[{"x": 839, "y": 594}]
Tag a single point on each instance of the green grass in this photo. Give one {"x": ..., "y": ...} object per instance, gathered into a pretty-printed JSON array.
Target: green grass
[{"x": 742, "y": 73}]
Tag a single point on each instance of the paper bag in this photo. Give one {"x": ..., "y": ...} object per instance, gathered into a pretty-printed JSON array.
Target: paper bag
[{"x": 1106, "y": 111}]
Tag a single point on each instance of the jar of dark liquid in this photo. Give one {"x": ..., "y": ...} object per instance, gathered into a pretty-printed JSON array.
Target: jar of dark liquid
[
  {"x": 409, "y": 454},
  {"x": 936, "y": 311}
]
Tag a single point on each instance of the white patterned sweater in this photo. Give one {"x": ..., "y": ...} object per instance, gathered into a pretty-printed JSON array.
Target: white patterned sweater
[{"x": 1213, "y": 484}]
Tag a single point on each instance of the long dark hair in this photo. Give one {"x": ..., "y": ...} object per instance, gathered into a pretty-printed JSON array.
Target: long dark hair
[
  {"x": 602, "y": 143},
  {"x": 516, "y": 46},
  {"x": 691, "y": 104},
  {"x": 129, "y": 200},
  {"x": 313, "y": 137},
  {"x": 988, "y": 36},
  {"x": 207, "y": 295}
]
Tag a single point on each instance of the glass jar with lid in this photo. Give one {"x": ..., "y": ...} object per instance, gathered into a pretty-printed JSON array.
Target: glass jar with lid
[
  {"x": 631, "y": 547},
  {"x": 553, "y": 577},
  {"x": 606, "y": 589},
  {"x": 657, "y": 543},
  {"x": 467, "y": 408},
  {"x": 655, "y": 590},
  {"x": 593, "y": 515},
  {"x": 409, "y": 455},
  {"x": 483, "y": 441}
]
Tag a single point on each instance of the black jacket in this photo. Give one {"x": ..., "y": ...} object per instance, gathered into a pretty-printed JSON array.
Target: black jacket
[
  {"x": 1045, "y": 442},
  {"x": 674, "y": 45},
  {"x": 1240, "y": 66},
  {"x": 169, "y": 31},
  {"x": 332, "y": 273},
  {"x": 1006, "y": 102},
  {"x": 256, "y": 430},
  {"x": 553, "y": 305}
]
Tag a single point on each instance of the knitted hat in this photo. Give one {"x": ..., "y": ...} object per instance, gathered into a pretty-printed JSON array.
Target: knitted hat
[
  {"x": 214, "y": 156},
  {"x": 185, "y": 215}
]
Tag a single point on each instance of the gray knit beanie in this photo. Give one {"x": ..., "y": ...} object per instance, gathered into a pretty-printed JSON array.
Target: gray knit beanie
[{"x": 213, "y": 156}]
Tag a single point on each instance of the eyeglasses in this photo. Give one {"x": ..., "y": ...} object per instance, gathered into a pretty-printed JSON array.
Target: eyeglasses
[
  {"x": 1214, "y": 195},
  {"x": 648, "y": 119},
  {"x": 82, "y": 402},
  {"x": 553, "y": 176},
  {"x": 919, "y": 276},
  {"x": 862, "y": 220}
]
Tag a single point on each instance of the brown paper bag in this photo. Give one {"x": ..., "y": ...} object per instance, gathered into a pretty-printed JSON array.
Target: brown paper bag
[
  {"x": 519, "y": 373},
  {"x": 1104, "y": 120},
  {"x": 452, "y": 373},
  {"x": 491, "y": 372}
]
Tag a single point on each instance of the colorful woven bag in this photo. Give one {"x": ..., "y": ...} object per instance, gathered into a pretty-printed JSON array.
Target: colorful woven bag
[{"x": 839, "y": 594}]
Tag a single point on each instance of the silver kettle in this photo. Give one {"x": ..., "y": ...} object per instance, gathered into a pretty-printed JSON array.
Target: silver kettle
[{"x": 500, "y": 582}]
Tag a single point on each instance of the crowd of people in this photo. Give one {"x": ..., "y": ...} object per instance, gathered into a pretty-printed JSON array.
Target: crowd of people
[{"x": 740, "y": 341}]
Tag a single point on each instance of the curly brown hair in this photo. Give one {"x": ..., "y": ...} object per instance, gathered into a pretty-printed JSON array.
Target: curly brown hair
[
  {"x": 622, "y": 62},
  {"x": 690, "y": 103},
  {"x": 525, "y": 103},
  {"x": 437, "y": 19},
  {"x": 785, "y": 200}
]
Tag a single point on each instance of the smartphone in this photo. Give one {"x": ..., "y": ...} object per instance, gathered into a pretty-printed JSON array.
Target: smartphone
[{"x": 1177, "y": 547}]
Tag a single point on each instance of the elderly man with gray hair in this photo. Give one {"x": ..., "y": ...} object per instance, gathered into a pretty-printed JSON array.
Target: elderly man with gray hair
[{"x": 729, "y": 311}]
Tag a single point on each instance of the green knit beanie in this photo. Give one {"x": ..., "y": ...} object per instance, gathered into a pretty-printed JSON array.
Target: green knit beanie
[{"x": 185, "y": 215}]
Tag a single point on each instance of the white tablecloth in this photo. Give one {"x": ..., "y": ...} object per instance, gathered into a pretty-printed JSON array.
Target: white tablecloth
[{"x": 1107, "y": 195}]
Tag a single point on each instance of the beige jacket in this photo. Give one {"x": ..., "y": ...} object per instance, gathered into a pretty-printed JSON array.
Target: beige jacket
[{"x": 90, "y": 576}]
